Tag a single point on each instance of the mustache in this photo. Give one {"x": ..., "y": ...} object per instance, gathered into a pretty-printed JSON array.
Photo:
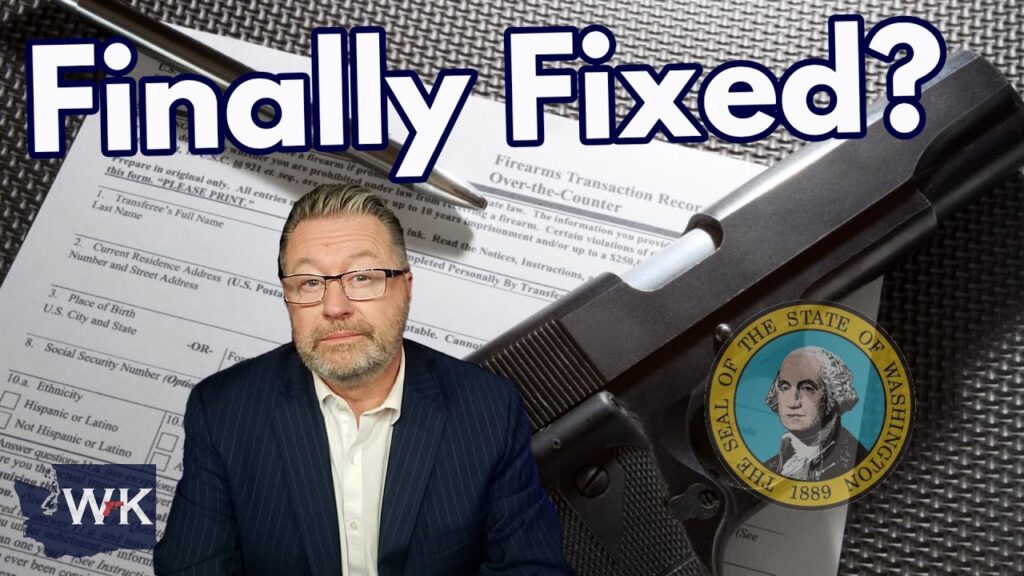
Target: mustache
[{"x": 359, "y": 327}]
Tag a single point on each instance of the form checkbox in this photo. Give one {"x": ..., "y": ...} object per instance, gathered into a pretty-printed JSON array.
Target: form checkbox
[
  {"x": 167, "y": 441},
  {"x": 161, "y": 460},
  {"x": 9, "y": 400},
  {"x": 5, "y": 418}
]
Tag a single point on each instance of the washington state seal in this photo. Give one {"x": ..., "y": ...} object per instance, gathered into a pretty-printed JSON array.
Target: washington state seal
[{"x": 810, "y": 405}]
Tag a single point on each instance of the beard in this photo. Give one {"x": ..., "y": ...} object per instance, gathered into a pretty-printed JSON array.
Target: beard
[{"x": 352, "y": 364}]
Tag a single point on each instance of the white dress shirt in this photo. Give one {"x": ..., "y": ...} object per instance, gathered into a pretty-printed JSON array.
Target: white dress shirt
[{"x": 359, "y": 463}]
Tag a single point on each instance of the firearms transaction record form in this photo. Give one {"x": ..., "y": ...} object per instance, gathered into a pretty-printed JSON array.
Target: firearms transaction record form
[{"x": 143, "y": 275}]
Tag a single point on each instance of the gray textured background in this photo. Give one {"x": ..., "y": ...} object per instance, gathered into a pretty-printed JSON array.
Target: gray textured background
[{"x": 956, "y": 306}]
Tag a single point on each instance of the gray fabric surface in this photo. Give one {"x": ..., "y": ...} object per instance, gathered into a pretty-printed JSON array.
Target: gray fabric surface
[{"x": 956, "y": 306}]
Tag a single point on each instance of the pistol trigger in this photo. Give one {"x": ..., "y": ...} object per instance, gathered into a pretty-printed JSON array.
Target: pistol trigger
[
  {"x": 700, "y": 511},
  {"x": 699, "y": 502}
]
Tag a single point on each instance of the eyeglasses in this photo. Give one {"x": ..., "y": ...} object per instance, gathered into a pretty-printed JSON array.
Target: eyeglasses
[{"x": 357, "y": 284}]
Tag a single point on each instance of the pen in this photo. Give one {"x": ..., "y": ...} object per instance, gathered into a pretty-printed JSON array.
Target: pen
[{"x": 185, "y": 53}]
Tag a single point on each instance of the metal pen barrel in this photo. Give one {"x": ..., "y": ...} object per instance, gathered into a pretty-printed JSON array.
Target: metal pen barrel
[{"x": 187, "y": 54}]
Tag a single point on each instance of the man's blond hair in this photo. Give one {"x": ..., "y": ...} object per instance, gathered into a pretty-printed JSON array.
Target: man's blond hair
[{"x": 329, "y": 200}]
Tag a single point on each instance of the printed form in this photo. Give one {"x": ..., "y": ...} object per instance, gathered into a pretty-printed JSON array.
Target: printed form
[{"x": 143, "y": 275}]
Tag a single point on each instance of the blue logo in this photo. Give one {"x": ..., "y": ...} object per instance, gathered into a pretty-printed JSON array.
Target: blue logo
[{"x": 87, "y": 509}]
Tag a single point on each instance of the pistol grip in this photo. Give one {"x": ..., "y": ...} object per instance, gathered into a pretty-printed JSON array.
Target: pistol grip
[{"x": 602, "y": 474}]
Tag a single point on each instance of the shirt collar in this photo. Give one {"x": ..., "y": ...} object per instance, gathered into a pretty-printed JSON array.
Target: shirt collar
[
  {"x": 392, "y": 402},
  {"x": 823, "y": 441},
  {"x": 799, "y": 448}
]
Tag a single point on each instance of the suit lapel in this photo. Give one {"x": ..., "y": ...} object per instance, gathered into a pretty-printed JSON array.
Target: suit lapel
[
  {"x": 414, "y": 443},
  {"x": 307, "y": 465}
]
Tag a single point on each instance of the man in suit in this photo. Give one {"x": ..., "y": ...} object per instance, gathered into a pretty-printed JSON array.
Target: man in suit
[
  {"x": 351, "y": 451},
  {"x": 812, "y": 389}
]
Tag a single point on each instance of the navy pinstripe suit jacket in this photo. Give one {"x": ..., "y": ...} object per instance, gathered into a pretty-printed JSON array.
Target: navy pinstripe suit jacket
[{"x": 461, "y": 495}]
